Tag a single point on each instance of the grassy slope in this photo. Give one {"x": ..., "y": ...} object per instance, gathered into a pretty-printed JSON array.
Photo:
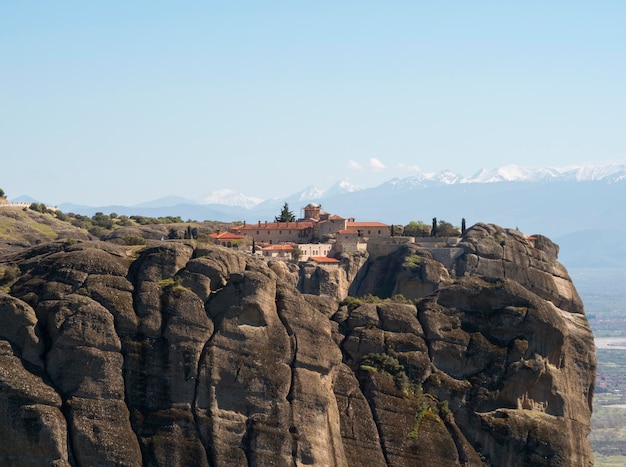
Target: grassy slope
[{"x": 27, "y": 227}]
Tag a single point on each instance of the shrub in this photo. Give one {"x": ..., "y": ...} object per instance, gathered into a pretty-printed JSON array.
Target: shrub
[
  {"x": 39, "y": 207},
  {"x": 97, "y": 231},
  {"x": 62, "y": 217},
  {"x": 416, "y": 229},
  {"x": 445, "y": 229},
  {"x": 173, "y": 285},
  {"x": 444, "y": 409},
  {"x": 351, "y": 302},
  {"x": 8, "y": 274},
  {"x": 102, "y": 220},
  {"x": 124, "y": 221},
  {"x": 413, "y": 262},
  {"x": 399, "y": 298},
  {"x": 387, "y": 364},
  {"x": 369, "y": 298},
  {"x": 131, "y": 239}
]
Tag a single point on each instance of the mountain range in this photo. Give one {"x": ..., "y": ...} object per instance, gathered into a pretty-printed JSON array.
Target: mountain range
[{"x": 578, "y": 207}]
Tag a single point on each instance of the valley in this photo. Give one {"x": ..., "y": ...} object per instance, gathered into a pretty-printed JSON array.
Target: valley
[{"x": 604, "y": 296}]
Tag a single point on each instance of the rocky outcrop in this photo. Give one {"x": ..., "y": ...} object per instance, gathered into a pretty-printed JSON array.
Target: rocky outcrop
[
  {"x": 331, "y": 280},
  {"x": 181, "y": 355}
]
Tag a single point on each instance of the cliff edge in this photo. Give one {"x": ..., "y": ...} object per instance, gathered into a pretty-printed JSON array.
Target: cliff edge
[{"x": 177, "y": 354}]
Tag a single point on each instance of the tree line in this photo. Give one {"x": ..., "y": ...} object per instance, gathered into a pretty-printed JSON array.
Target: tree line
[{"x": 436, "y": 228}]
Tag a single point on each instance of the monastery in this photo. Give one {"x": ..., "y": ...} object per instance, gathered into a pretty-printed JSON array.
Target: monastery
[{"x": 317, "y": 235}]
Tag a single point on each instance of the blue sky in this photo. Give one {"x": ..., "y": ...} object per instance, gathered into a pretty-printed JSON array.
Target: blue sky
[{"x": 124, "y": 102}]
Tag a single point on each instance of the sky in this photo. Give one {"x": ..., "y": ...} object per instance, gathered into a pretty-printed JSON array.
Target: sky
[{"x": 105, "y": 103}]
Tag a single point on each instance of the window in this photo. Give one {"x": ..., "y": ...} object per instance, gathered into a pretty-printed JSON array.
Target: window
[
  {"x": 257, "y": 232},
  {"x": 280, "y": 232},
  {"x": 379, "y": 232}
]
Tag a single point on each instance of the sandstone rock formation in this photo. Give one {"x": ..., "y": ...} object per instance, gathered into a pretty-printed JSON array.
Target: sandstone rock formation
[{"x": 181, "y": 355}]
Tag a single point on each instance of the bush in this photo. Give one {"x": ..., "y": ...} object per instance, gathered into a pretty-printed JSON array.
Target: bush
[
  {"x": 173, "y": 285},
  {"x": 62, "y": 217},
  {"x": 351, "y": 302},
  {"x": 97, "y": 231},
  {"x": 80, "y": 223},
  {"x": 9, "y": 273},
  {"x": 387, "y": 364},
  {"x": 399, "y": 298},
  {"x": 416, "y": 229},
  {"x": 413, "y": 262},
  {"x": 131, "y": 239},
  {"x": 445, "y": 229},
  {"x": 39, "y": 207},
  {"x": 124, "y": 221},
  {"x": 102, "y": 220}
]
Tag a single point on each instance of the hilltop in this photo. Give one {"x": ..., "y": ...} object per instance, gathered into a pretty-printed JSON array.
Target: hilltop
[
  {"x": 26, "y": 225},
  {"x": 21, "y": 227}
]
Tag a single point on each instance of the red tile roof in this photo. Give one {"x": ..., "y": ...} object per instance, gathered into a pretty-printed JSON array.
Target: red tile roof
[
  {"x": 278, "y": 248},
  {"x": 358, "y": 225},
  {"x": 324, "y": 259},
  {"x": 299, "y": 225},
  {"x": 226, "y": 236}
]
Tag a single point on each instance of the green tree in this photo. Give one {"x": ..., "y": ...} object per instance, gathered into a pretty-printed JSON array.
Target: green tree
[
  {"x": 102, "y": 220},
  {"x": 434, "y": 231},
  {"x": 445, "y": 229},
  {"x": 285, "y": 215},
  {"x": 2, "y": 195},
  {"x": 39, "y": 207},
  {"x": 296, "y": 253},
  {"x": 416, "y": 229},
  {"x": 463, "y": 226}
]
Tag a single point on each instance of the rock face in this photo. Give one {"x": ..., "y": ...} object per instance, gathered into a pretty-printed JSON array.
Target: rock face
[{"x": 181, "y": 355}]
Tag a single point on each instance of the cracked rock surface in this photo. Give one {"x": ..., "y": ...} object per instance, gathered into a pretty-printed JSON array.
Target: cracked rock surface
[{"x": 187, "y": 355}]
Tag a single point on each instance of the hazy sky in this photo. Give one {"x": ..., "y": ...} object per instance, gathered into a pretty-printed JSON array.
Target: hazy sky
[{"x": 123, "y": 102}]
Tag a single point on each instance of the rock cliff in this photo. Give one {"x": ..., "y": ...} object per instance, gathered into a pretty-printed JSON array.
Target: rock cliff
[{"x": 177, "y": 354}]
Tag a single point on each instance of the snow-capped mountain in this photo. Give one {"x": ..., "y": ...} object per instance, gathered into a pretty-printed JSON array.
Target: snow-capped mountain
[
  {"x": 424, "y": 180},
  {"x": 229, "y": 197},
  {"x": 514, "y": 173},
  {"x": 607, "y": 173},
  {"x": 339, "y": 188}
]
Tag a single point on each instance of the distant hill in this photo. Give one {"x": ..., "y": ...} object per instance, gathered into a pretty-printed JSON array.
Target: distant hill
[{"x": 24, "y": 199}]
